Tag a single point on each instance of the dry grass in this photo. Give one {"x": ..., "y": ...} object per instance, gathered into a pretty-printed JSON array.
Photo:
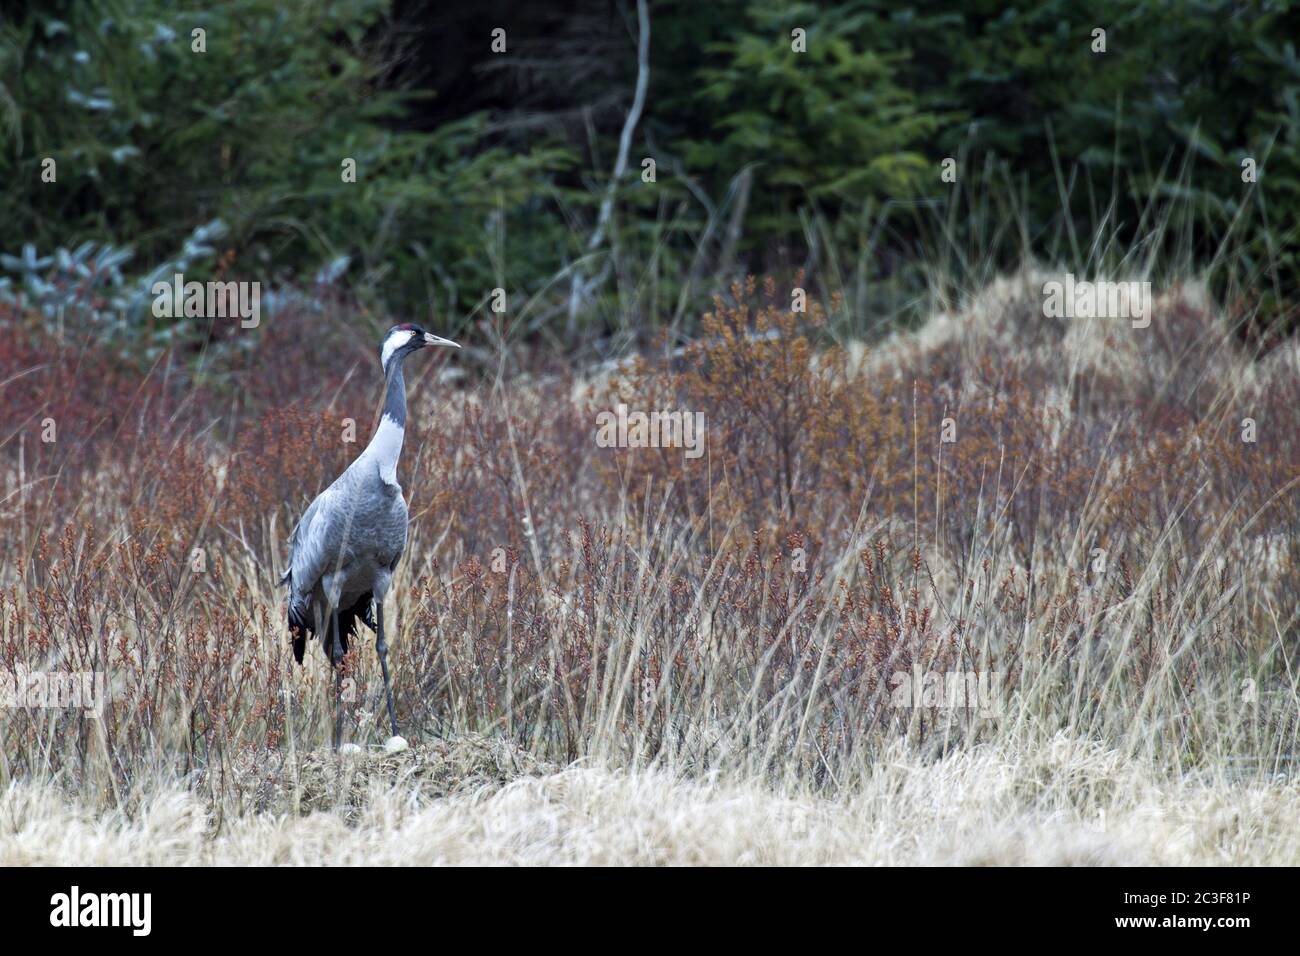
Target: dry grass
[
  {"x": 625, "y": 655},
  {"x": 321, "y": 780},
  {"x": 1067, "y": 803}
]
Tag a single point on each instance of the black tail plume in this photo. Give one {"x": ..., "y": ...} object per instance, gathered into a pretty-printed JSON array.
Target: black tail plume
[{"x": 301, "y": 625}]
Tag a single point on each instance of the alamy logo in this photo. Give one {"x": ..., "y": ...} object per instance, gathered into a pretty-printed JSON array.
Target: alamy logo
[
  {"x": 1097, "y": 300},
  {"x": 213, "y": 300},
  {"x": 624, "y": 429},
  {"x": 103, "y": 909},
  {"x": 950, "y": 690},
  {"x": 54, "y": 690}
]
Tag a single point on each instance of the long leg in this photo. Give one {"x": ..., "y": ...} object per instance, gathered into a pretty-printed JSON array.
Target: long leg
[
  {"x": 336, "y": 659},
  {"x": 381, "y": 645}
]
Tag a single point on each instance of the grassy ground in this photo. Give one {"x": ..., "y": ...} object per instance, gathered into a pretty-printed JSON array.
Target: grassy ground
[
  {"x": 628, "y": 655},
  {"x": 473, "y": 801}
]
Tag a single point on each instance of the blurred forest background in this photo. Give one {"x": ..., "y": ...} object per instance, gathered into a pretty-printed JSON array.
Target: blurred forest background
[{"x": 479, "y": 169}]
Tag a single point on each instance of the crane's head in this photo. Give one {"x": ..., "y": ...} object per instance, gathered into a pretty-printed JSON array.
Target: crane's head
[{"x": 406, "y": 338}]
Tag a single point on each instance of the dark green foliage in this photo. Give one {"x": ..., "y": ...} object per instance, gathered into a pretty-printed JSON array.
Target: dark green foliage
[
  {"x": 839, "y": 148},
  {"x": 1184, "y": 92},
  {"x": 152, "y": 139},
  {"x": 829, "y": 124}
]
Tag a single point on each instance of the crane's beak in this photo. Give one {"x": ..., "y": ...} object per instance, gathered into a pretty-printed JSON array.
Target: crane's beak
[{"x": 431, "y": 339}]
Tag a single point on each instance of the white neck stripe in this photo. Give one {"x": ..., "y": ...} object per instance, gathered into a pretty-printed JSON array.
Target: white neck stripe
[
  {"x": 385, "y": 448},
  {"x": 394, "y": 342}
]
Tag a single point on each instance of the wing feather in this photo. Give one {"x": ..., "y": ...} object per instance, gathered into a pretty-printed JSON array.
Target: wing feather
[{"x": 318, "y": 541}]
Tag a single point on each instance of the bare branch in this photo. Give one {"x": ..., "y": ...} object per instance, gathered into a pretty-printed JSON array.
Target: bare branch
[{"x": 581, "y": 290}]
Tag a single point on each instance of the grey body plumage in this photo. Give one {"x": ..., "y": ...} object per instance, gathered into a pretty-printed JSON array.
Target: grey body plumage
[
  {"x": 344, "y": 549},
  {"x": 347, "y": 545}
]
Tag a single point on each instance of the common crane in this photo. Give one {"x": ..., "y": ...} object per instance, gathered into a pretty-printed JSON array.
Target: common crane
[{"x": 344, "y": 550}]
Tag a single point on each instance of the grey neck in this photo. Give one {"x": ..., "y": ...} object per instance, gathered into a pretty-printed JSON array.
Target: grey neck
[
  {"x": 386, "y": 445},
  {"x": 395, "y": 398}
]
